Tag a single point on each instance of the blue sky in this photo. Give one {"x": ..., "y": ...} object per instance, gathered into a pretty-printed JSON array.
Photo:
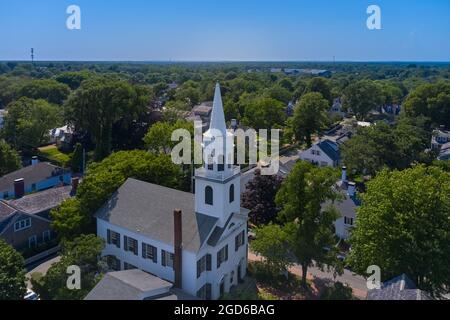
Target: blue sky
[{"x": 199, "y": 30}]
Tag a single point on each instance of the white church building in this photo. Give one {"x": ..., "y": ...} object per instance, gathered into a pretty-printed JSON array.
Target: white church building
[{"x": 197, "y": 241}]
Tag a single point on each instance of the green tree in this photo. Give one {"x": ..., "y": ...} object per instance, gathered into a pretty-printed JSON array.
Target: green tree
[
  {"x": 99, "y": 103},
  {"x": 102, "y": 179},
  {"x": 9, "y": 159},
  {"x": 271, "y": 242},
  {"x": 403, "y": 227},
  {"x": 12, "y": 273},
  {"x": 361, "y": 97},
  {"x": 337, "y": 291},
  {"x": 76, "y": 161},
  {"x": 310, "y": 116},
  {"x": 28, "y": 122},
  {"x": 431, "y": 101},
  {"x": 380, "y": 145},
  {"x": 48, "y": 89},
  {"x": 322, "y": 86},
  {"x": 73, "y": 79},
  {"x": 84, "y": 252},
  {"x": 264, "y": 113},
  {"x": 308, "y": 225},
  {"x": 159, "y": 137}
]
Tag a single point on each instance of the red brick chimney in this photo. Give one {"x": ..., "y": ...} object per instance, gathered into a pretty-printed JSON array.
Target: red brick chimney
[
  {"x": 19, "y": 188},
  {"x": 75, "y": 181},
  {"x": 177, "y": 262}
]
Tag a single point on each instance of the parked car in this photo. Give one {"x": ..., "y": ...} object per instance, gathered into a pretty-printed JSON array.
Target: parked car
[{"x": 31, "y": 295}]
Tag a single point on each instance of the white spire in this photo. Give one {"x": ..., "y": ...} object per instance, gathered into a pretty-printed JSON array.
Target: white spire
[{"x": 217, "y": 116}]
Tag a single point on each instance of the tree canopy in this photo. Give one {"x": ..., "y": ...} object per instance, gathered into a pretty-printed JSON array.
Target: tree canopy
[
  {"x": 28, "y": 122},
  {"x": 83, "y": 252},
  {"x": 48, "y": 89},
  {"x": 9, "y": 159},
  {"x": 361, "y": 97},
  {"x": 12, "y": 273},
  {"x": 264, "y": 113},
  {"x": 75, "y": 216},
  {"x": 259, "y": 197},
  {"x": 101, "y": 102},
  {"x": 310, "y": 117},
  {"x": 431, "y": 101},
  {"x": 308, "y": 225},
  {"x": 403, "y": 227}
]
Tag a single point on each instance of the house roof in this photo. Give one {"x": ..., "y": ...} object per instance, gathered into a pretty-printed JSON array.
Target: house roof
[
  {"x": 41, "y": 201},
  {"x": 147, "y": 209},
  {"x": 31, "y": 174},
  {"x": 128, "y": 285},
  {"x": 398, "y": 288},
  {"x": 5, "y": 210},
  {"x": 330, "y": 148}
]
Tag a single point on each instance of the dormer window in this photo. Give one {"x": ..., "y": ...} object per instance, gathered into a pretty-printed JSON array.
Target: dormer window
[{"x": 209, "y": 196}]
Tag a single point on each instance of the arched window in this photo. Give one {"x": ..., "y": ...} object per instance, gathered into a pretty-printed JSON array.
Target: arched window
[
  {"x": 231, "y": 193},
  {"x": 209, "y": 195}
]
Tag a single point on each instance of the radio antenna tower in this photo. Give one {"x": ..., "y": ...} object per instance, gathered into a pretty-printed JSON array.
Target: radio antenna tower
[{"x": 32, "y": 55}]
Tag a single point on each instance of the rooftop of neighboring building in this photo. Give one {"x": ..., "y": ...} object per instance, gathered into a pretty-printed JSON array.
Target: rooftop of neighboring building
[
  {"x": 41, "y": 201},
  {"x": 31, "y": 174},
  {"x": 129, "y": 285},
  {"x": 398, "y": 288}
]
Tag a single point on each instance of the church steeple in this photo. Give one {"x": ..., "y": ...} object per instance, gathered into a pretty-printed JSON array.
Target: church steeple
[
  {"x": 222, "y": 154},
  {"x": 217, "y": 116}
]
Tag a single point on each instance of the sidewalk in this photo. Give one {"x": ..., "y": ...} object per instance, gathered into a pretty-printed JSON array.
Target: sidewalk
[{"x": 357, "y": 283}]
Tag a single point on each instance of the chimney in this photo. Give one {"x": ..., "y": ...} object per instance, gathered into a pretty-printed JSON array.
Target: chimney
[
  {"x": 75, "y": 181},
  {"x": 344, "y": 174},
  {"x": 177, "y": 263},
  {"x": 34, "y": 160},
  {"x": 351, "y": 189},
  {"x": 19, "y": 188}
]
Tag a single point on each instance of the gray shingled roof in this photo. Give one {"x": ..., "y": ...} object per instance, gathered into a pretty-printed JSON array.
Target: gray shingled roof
[
  {"x": 147, "y": 209},
  {"x": 41, "y": 201},
  {"x": 330, "y": 148},
  {"x": 5, "y": 210},
  {"x": 31, "y": 174},
  {"x": 399, "y": 288},
  {"x": 127, "y": 285}
]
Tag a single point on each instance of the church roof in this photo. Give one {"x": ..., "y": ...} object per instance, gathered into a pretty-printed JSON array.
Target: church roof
[{"x": 147, "y": 209}]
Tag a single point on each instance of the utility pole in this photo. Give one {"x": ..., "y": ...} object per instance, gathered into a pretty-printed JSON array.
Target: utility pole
[{"x": 32, "y": 55}]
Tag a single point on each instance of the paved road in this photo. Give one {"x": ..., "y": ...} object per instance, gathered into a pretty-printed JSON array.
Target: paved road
[{"x": 42, "y": 267}]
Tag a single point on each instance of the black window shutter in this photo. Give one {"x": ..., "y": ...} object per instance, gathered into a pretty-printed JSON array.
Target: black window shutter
[
  {"x": 218, "y": 259},
  {"x": 144, "y": 250},
  {"x": 226, "y": 252},
  {"x": 155, "y": 255},
  {"x": 163, "y": 258},
  {"x": 108, "y": 236},
  {"x": 135, "y": 243},
  {"x": 236, "y": 243},
  {"x": 208, "y": 291},
  {"x": 125, "y": 243},
  {"x": 118, "y": 241},
  {"x": 198, "y": 268},
  {"x": 208, "y": 262}
]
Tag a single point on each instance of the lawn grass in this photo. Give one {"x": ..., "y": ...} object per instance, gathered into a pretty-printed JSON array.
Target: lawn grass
[{"x": 52, "y": 154}]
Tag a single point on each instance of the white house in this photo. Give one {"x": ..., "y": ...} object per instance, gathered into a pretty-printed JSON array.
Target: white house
[
  {"x": 323, "y": 153},
  {"x": 198, "y": 242}
]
